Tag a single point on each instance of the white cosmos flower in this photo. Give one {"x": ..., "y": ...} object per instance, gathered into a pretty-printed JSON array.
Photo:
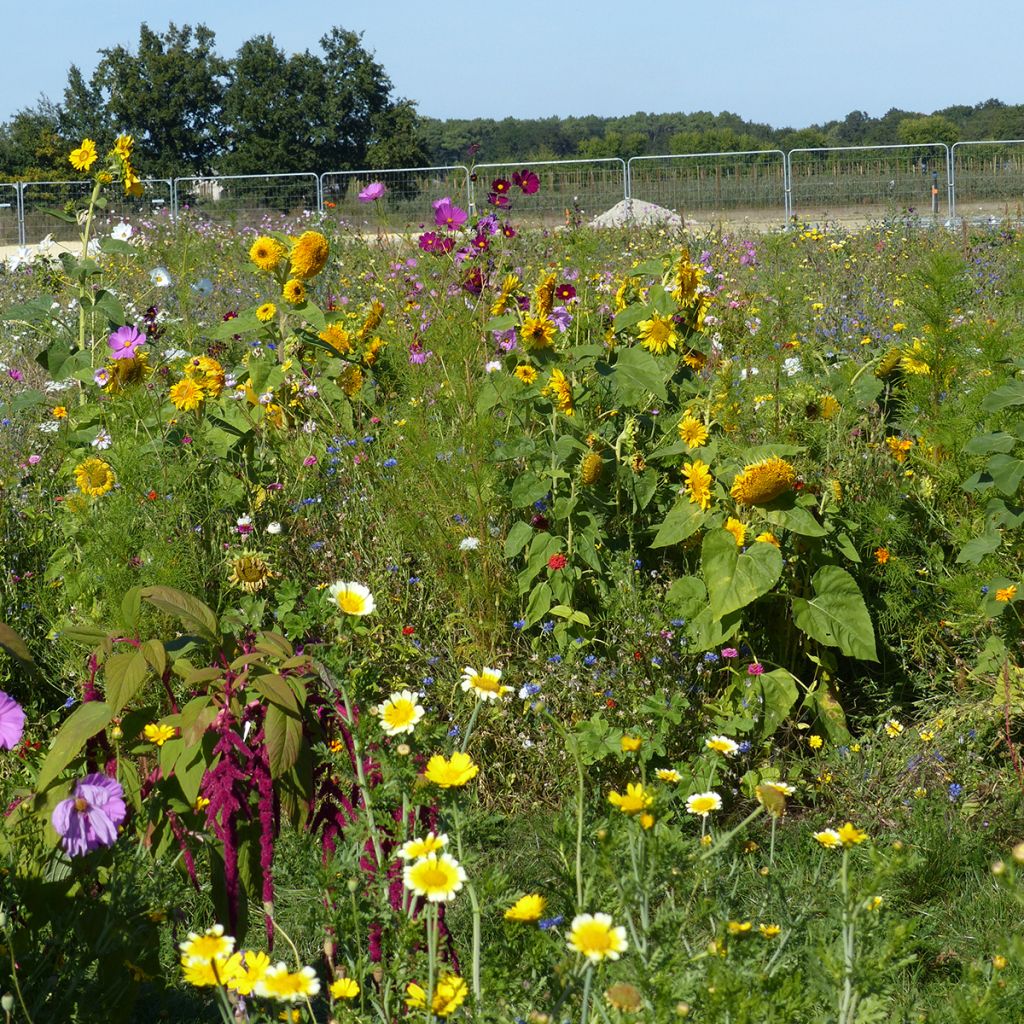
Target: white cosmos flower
[
  {"x": 469, "y": 543},
  {"x": 161, "y": 277},
  {"x": 122, "y": 231},
  {"x": 274, "y": 528}
]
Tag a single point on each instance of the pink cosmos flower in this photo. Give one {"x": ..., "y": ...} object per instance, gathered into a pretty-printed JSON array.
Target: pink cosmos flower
[
  {"x": 89, "y": 818},
  {"x": 448, "y": 215},
  {"x": 125, "y": 342},
  {"x": 374, "y": 191},
  {"x": 12, "y": 722}
]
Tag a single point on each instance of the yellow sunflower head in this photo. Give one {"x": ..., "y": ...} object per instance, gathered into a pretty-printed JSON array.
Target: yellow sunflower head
[
  {"x": 249, "y": 572},
  {"x": 94, "y": 477},
  {"x": 309, "y": 255},
  {"x": 266, "y": 252},
  {"x": 294, "y": 292},
  {"x": 762, "y": 482}
]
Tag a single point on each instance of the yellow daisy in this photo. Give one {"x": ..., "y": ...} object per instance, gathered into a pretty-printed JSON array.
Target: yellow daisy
[
  {"x": 449, "y": 774},
  {"x": 486, "y": 683},
  {"x": 698, "y": 483},
  {"x": 527, "y": 909},
  {"x": 633, "y": 801},
  {"x": 595, "y": 937},
  {"x": 436, "y": 877},
  {"x": 400, "y": 713}
]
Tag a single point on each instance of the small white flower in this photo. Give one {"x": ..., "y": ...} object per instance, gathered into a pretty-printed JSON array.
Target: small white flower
[
  {"x": 173, "y": 354},
  {"x": 53, "y": 386},
  {"x": 160, "y": 277},
  {"x": 469, "y": 543},
  {"x": 309, "y": 427},
  {"x": 792, "y": 366},
  {"x": 752, "y": 371},
  {"x": 494, "y": 364},
  {"x": 266, "y": 398},
  {"x": 102, "y": 441},
  {"x": 122, "y": 231},
  {"x": 49, "y": 427},
  {"x": 274, "y": 528}
]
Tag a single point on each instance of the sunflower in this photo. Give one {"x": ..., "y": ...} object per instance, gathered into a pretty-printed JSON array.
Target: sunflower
[
  {"x": 698, "y": 483},
  {"x": 437, "y": 877},
  {"x": 351, "y": 380},
  {"x": 373, "y": 318},
  {"x": 309, "y": 255},
  {"x": 207, "y": 373},
  {"x": 294, "y": 292},
  {"x": 266, "y": 312},
  {"x": 123, "y": 147},
  {"x": 373, "y": 350},
  {"x": 122, "y": 372},
  {"x": 84, "y": 157},
  {"x": 526, "y": 373},
  {"x": 544, "y": 296},
  {"x": 737, "y": 529},
  {"x": 249, "y": 572},
  {"x": 688, "y": 279},
  {"x": 591, "y": 469},
  {"x": 266, "y": 252},
  {"x": 559, "y": 389},
  {"x": 537, "y": 332},
  {"x": 914, "y": 360},
  {"x": 762, "y": 482},
  {"x": 94, "y": 477},
  {"x": 337, "y": 337},
  {"x": 692, "y": 431},
  {"x": 658, "y": 334},
  {"x": 186, "y": 395}
]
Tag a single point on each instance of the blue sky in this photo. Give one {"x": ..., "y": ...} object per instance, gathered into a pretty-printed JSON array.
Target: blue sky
[{"x": 788, "y": 64}]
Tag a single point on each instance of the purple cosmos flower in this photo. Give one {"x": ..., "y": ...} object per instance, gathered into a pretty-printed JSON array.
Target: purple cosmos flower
[
  {"x": 89, "y": 818},
  {"x": 374, "y": 191},
  {"x": 561, "y": 317},
  {"x": 526, "y": 180},
  {"x": 12, "y": 722},
  {"x": 487, "y": 224},
  {"x": 417, "y": 355},
  {"x": 125, "y": 342},
  {"x": 448, "y": 215}
]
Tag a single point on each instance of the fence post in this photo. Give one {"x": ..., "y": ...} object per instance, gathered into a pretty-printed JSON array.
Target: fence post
[
  {"x": 20, "y": 204},
  {"x": 787, "y": 188},
  {"x": 951, "y": 183}
]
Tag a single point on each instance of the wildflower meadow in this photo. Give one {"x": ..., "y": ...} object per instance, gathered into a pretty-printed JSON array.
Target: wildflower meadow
[{"x": 488, "y": 623}]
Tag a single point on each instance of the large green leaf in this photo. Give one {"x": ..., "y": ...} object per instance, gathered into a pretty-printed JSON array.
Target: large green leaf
[
  {"x": 683, "y": 520},
  {"x": 83, "y": 723},
  {"x": 14, "y": 645},
  {"x": 283, "y": 736},
  {"x": 1006, "y": 472},
  {"x": 637, "y": 376},
  {"x": 687, "y": 597},
  {"x": 779, "y": 691},
  {"x": 1007, "y": 395},
  {"x": 706, "y": 632},
  {"x": 734, "y": 580},
  {"x": 978, "y": 547},
  {"x": 124, "y": 675},
  {"x": 836, "y": 615},
  {"x": 184, "y": 607},
  {"x": 985, "y": 444}
]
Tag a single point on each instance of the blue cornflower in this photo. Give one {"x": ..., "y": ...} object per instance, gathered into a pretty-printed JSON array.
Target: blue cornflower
[
  {"x": 388, "y": 463},
  {"x": 453, "y": 731},
  {"x": 710, "y": 657},
  {"x": 744, "y": 747},
  {"x": 555, "y": 659},
  {"x": 519, "y": 624},
  {"x": 540, "y": 505},
  {"x": 551, "y": 922},
  {"x": 590, "y": 659},
  {"x": 528, "y": 690},
  {"x": 428, "y": 680},
  {"x": 677, "y": 622},
  {"x": 413, "y": 580},
  {"x": 548, "y": 627},
  {"x": 955, "y": 789}
]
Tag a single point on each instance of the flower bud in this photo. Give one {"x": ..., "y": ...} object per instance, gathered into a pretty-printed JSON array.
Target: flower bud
[{"x": 7, "y": 1002}]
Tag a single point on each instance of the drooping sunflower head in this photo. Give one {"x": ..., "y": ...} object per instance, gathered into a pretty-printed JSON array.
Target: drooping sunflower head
[
  {"x": 591, "y": 469},
  {"x": 122, "y": 372},
  {"x": 266, "y": 252},
  {"x": 762, "y": 482},
  {"x": 250, "y": 572},
  {"x": 94, "y": 477},
  {"x": 309, "y": 255},
  {"x": 544, "y": 296},
  {"x": 559, "y": 390},
  {"x": 207, "y": 374},
  {"x": 337, "y": 337}
]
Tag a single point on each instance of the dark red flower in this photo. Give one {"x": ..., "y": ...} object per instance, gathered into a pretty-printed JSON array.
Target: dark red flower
[
  {"x": 500, "y": 185},
  {"x": 539, "y": 522},
  {"x": 638, "y": 655},
  {"x": 231, "y": 314},
  {"x": 565, "y": 292},
  {"x": 526, "y": 180},
  {"x": 481, "y": 242},
  {"x": 474, "y": 283},
  {"x": 556, "y": 562},
  {"x": 508, "y": 231},
  {"x": 496, "y": 199}
]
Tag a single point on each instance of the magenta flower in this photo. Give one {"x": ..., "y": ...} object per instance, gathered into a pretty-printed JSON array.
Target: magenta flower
[
  {"x": 374, "y": 191},
  {"x": 730, "y": 652},
  {"x": 497, "y": 199},
  {"x": 508, "y": 231},
  {"x": 430, "y": 242},
  {"x": 12, "y": 722},
  {"x": 448, "y": 215},
  {"x": 125, "y": 342},
  {"x": 755, "y": 669},
  {"x": 565, "y": 292},
  {"x": 526, "y": 180},
  {"x": 89, "y": 818}
]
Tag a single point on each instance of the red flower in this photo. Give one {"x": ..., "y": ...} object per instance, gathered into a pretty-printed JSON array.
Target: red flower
[
  {"x": 508, "y": 231},
  {"x": 408, "y": 630},
  {"x": 556, "y": 562},
  {"x": 500, "y": 185},
  {"x": 526, "y": 180},
  {"x": 565, "y": 292},
  {"x": 497, "y": 199},
  {"x": 152, "y": 495}
]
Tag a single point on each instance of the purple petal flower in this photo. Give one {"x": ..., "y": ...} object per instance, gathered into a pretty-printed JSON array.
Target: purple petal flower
[
  {"x": 374, "y": 191},
  {"x": 125, "y": 342},
  {"x": 448, "y": 215},
  {"x": 89, "y": 818},
  {"x": 526, "y": 180},
  {"x": 12, "y": 722}
]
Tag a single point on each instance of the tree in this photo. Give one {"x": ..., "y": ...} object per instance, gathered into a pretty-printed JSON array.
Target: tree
[
  {"x": 32, "y": 147},
  {"x": 919, "y": 131}
]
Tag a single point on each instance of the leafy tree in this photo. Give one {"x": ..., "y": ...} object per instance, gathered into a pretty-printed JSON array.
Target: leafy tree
[
  {"x": 919, "y": 131},
  {"x": 32, "y": 148}
]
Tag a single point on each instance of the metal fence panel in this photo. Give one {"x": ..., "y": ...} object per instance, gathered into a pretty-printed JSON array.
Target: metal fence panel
[
  {"x": 262, "y": 201},
  {"x": 988, "y": 179},
  {"x": 745, "y": 187},
  {"x": 571, "y": 191},
  {"x": 10, "y": 215},
  {"x": 405, "y": 204},
  {"x": 863, "y": 183}
]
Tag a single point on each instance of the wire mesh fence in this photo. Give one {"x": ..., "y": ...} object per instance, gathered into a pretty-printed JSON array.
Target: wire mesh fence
[
  {"x": 988, "y": 178},
  {"x": 10, "y": 215},
  {"x": 260, "y": 201},
  {"x": 569, "y": 191},
  {"x": 863, "y": 183},
  {"x": 748, "y": 185},
  {"x": 405, "y": 202}
]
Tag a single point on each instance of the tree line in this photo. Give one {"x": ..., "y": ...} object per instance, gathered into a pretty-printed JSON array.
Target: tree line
[{"x": 194, "y": 112}]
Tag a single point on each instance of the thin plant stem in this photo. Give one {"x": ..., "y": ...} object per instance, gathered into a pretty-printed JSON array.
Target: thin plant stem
[{"x": 588, "y": 978}]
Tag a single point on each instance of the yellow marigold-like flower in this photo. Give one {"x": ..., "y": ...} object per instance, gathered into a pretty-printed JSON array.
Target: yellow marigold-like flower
[
  {"x": 767, "y": 538},
  {"x": 266, "y": 312},
  {"x": 668, "y": 775},
  {"x": 633, "y": 801},
  {"x": 739, "y": 927},
  {"x": 373, "y": 350},
  {"x": 526, "y": 373},
  {"x": 898, "y": 447},
  {"x": 252, "y": 969},
  {"x": 294, "y": 291},
  {"x": 829, "y": 838},
  {"x": 630, "y": 744},
  {"x": 559, "y": 390},
  {"x": 452, "y": 773},
  {"x": 595, "y": 937},
  {"x": 287, "y": 986},
  {"x": 309, "y": 255},
  {"x": 692, "y": 431},
  {"x": 400, "y": 713},
  {"x": 815, "y": 741},
  {"x": 207, "y": 373},
  {"x": 830, "y": 408},
  {"x": 374, "y": 315},
  {"x": 527, "y": 909},
  {"x": 882, "y": 555},
  {"x": 249, "y": 572},
  {"x": 537, "y": 332},
  {"x": 544, "y": 296},
  {"x": 698, "y": 483},
  {"x": 212, "y": 943},
  {"x": 344, "y": 988},
  {"x": 123, "y": 146},
  {"x": 213, "y": 970},
  {"x": 485, "y": 684},
  {"x": 84, "y": 157},
  {"x": 266, "y": 252},
  {"x": 351, "y": 380},
  {"x": 703, "y": 803},
  {"x": 414, "y": 849},
  {"x": 850, "y": 835},
  {"x": 769, "y": 931},
  {"x": 94, "y": 477},
  {"x": 762, "y": 482},
  {"x": 449, "y": 994},
  {"x": 59, "y": 412},
  {"x": 158, "y": 733},
  {"x": 737, "y": 529},
  {"x": 436, "y": 877},
  {"x": 658, "y": 334},
  {"x": 337, "y": 337},
  {"x": 893, "y": 728},
  {"x": 646, "y": 820},
  {"x": 915, "y": 359},
  {"x": 1006, "y": 594},
  {"x": 722, "y": 745},
  {"x": 186, "y": 395}
]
